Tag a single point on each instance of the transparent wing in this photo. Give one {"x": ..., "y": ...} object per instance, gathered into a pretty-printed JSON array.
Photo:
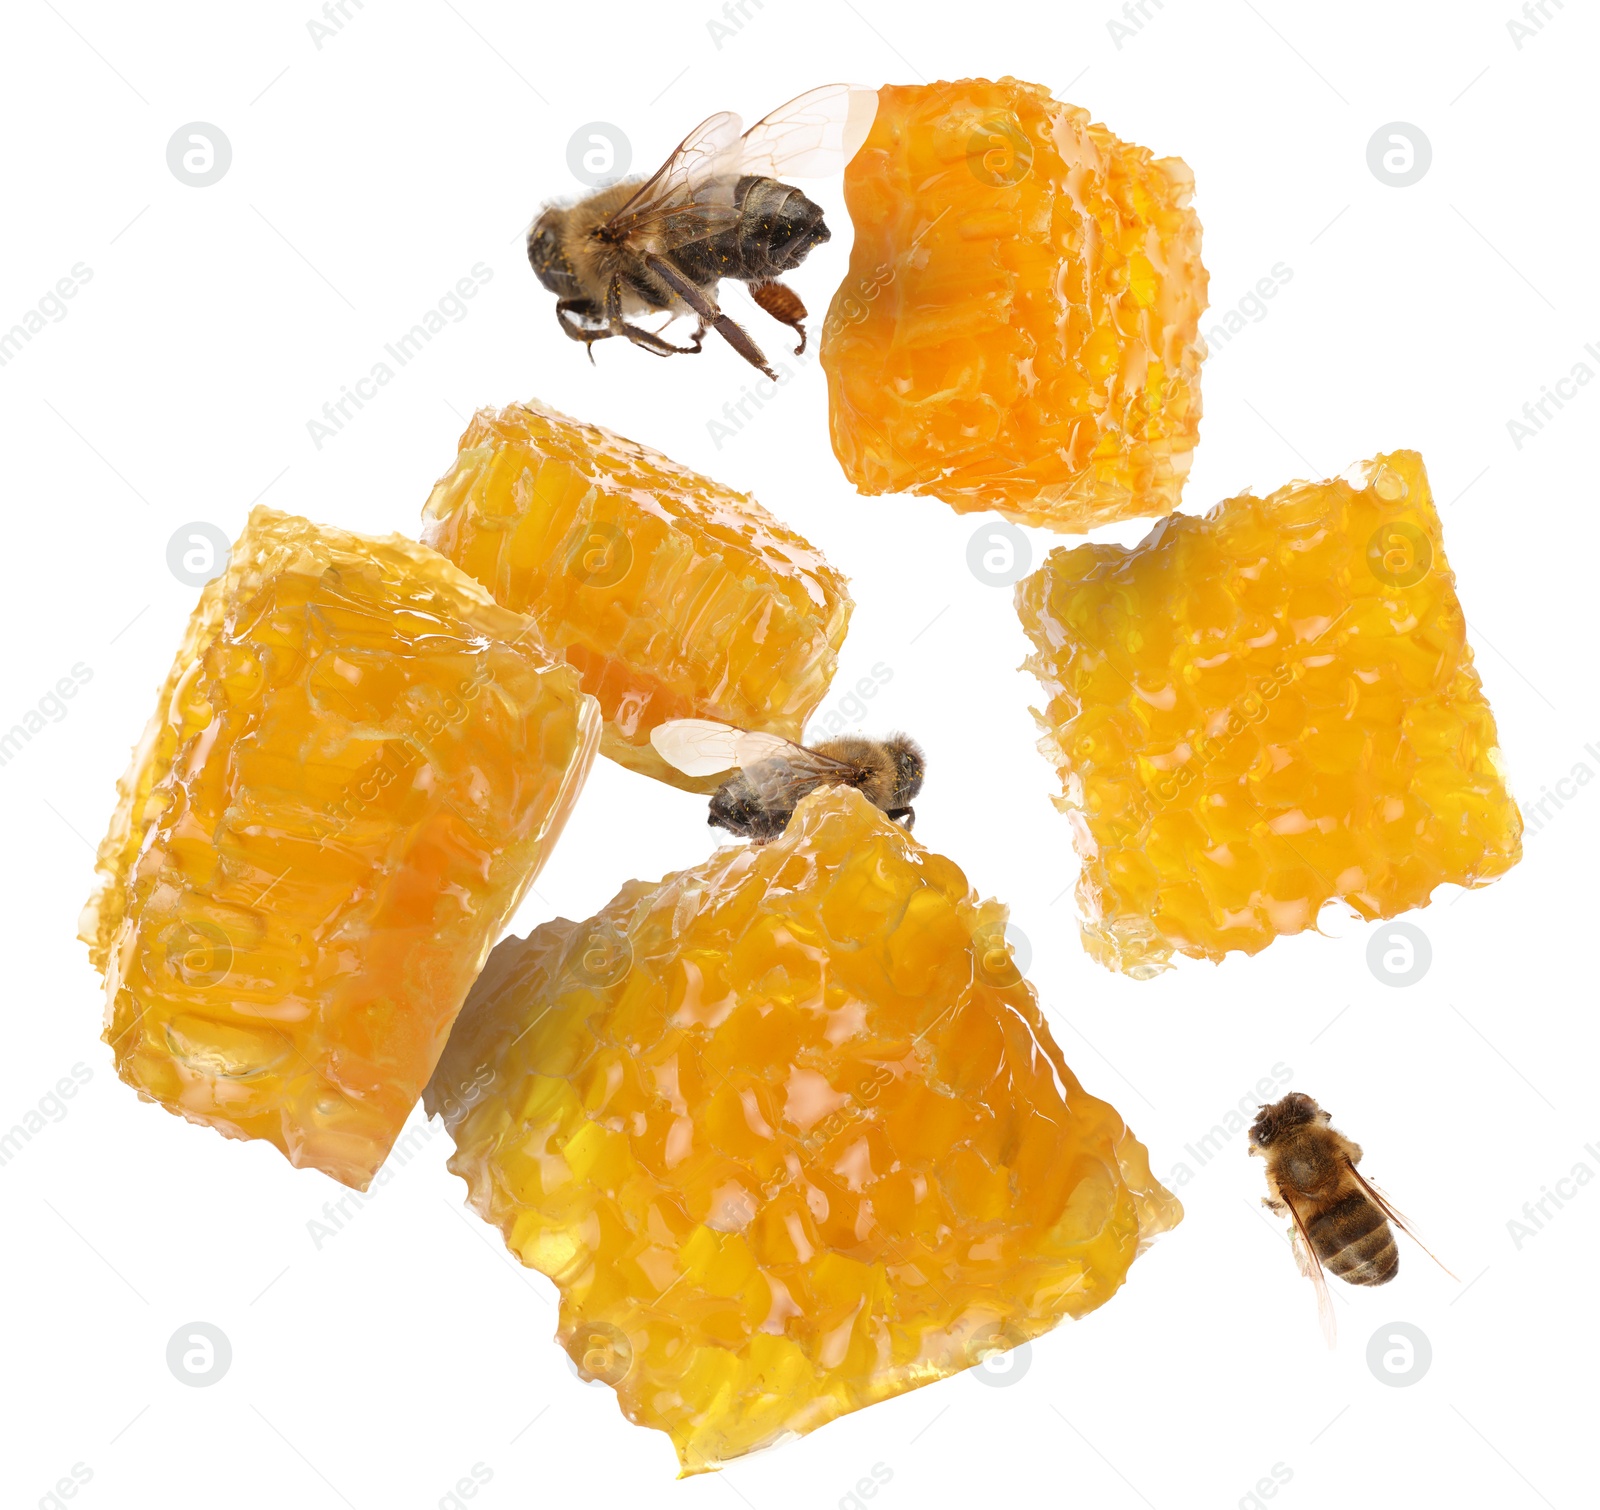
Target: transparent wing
[
  {"x": 702, "y": 747},
  {"x": 1386, "y": 1206},
  {"x": 691, "y": 195},
  {"x": 810, "y": 137},
  {"x": 684, "y": 188},
  {"x": 1305, "y": 1256},
  {"x": 779, "y": 783}
]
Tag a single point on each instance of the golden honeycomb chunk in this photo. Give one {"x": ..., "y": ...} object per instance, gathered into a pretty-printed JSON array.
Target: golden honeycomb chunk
[
  {"x": 790, "y": 1134},
  {"x": 356, "y": 767},
  {"x": 670, "y": 595},
  {"x": 1265, "y": 709},
  {"x": 1019, "y": 329}
]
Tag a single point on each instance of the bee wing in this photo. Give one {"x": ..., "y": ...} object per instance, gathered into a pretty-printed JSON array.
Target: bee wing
[
  {"x": 1305, "y": 1256},
  {"x": 702, "y": 746},
  {"x": 691, "y": 196},
  {"x": 686, "y": 191},
  {"x": 810, "y": 137},
  {"x": 1386, "y": 1206}
]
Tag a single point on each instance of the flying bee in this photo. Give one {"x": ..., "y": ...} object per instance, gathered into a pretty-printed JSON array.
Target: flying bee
[
  {"x": 773, "y": 774},
  {"x": 715, "y": 209},
  {"x": 1338, "y": 1218}
]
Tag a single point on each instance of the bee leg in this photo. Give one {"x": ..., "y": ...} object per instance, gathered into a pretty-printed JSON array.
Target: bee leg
[
  {"x": 578, "y": 330},
  {"x": 783, "y": 304},
  {"x": 903, "y": 816},
  {"x": 726, "y": 327},
  {"x": 617, "y": 326}
]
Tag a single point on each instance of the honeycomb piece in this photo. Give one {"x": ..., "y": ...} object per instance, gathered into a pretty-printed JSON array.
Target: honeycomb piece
[
  {"x": 670, "y": 595},
  {"x": 1019, "y": 330},
  {"x": 790, "y": 1134},
  {"x": 1262, "y": 710},
  {"x": 356, "y": 768}
]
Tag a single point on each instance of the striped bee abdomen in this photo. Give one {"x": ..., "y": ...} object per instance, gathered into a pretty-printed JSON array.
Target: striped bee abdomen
[
  {"x": 1353, "y": 1239},
  {"x": 777, "y": 226}
]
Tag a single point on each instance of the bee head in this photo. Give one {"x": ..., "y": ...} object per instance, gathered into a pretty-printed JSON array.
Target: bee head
[
  {"x": 909, "y": 765},
  {"x": 1295, "y": 1110},
  {"x": 549, "y": 262}
]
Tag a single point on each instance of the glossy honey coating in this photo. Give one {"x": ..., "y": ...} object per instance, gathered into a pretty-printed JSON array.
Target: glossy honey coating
[
  {"x": 1019, "y": 329},
  {"x": 789, "y": 1132},
  {"x": 356, "y": 767},
  {"x": 671, "y": 595},
  {"x": 1264, "y": 709}
]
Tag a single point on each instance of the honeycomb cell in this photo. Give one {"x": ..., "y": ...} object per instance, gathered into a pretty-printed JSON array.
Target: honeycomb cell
[
  {"x": 356, "y": 767},
  {"x": 670, "y": 595},
  {"x": 1019, "y": 330},
  {"x": 1265, "y": 709},
  {"x": 790, "y": 1134}
]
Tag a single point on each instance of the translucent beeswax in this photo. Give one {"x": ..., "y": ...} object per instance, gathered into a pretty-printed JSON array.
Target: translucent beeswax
[
  {"x": 670, "y": 595},
  {"x": 356, "y": 767},
  {"x": 1265, "y": 709},
  {"x": 789, "y": 1132}
]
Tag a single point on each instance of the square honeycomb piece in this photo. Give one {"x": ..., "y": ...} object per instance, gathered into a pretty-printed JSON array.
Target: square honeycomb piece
[
  {"x": 789, "y": 1132},
  {"x": 669, "y": 594},
  {"x": 357, "y": 765},
  {"x": 1019, "y": 330},
  {"x": 1263, "y": 710}
]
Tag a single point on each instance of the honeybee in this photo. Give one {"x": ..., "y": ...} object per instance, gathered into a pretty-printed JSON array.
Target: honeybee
[
  {"x": 715, "y": 209},
  {"x": 774, "y": 774},
  {"x": 1339, "y": 1219}
]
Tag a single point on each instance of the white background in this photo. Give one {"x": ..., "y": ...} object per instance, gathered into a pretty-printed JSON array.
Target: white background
[{"x": 370, "y": 174}]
